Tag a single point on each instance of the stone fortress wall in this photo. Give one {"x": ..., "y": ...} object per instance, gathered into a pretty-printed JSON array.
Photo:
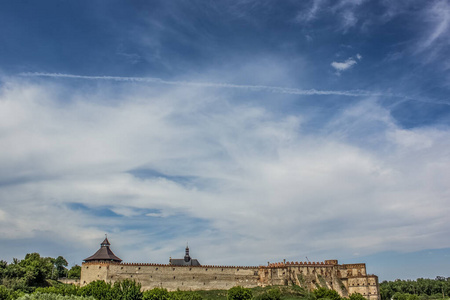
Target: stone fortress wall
[{"x": 345, "y": 279}]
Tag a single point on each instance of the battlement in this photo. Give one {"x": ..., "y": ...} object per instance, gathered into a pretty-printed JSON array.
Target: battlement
[
  {"x": 165, "y": 265},
  {"x": 301, "y": 263},
  {"x": 354, "y": 266}
]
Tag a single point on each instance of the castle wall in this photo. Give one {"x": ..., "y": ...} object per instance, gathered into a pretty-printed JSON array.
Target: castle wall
[
  {"x": 93, "y": 271},
  {"x": 307, "y": 275},
  {"x": 174, "y": 277},
  {"x": 365, "y": 285},
  {"x": 345, "y": 279}
]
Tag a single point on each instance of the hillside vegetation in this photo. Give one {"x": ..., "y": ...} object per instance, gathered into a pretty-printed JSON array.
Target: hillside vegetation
[
  {"x": 420, "y": 289},
  {"x": 35, "y": 278}
]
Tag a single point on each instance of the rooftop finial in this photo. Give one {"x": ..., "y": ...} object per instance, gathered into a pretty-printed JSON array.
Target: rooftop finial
[{"x": 105, "y": 242}]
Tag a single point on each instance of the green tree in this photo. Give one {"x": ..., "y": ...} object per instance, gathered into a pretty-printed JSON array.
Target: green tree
[
  {"x": 127, "y": 290},
  {"x": 239, "y": 293},
  {"x": 35, "y": 269},
  {"x": 156, "y": 294},
  {"x": 3, "y": 267},
  {"x": 60, "y": 265},
  {"x": 74, "y": 272},
  {"x": 357, "y": 296},
  {"x": 400, "y": 296},
  {"x": 5, "y": 294},
  {"x": 98, "y": 289},
  {"x": 324, "y": 293}
]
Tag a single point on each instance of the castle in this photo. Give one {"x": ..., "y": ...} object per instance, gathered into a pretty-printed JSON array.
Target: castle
[{"x": 188, "y": 274}]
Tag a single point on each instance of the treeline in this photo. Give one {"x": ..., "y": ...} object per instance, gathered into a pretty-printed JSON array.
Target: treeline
[
  {"x": 131, "y": 290},
  {"x": 34, "y": 271},
  {"x": 420, "y": 289}
]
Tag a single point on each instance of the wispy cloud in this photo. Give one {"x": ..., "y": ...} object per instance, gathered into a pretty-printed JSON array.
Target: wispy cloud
[
  {"x": 438, "y": 16},
  {"x": 311, "y": 12},
  {"x": 274, "y": 89},
  {"x": 249, "y": 165}
]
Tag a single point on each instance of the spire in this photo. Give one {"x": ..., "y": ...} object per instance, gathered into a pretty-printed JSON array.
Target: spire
[
  {"x": 105, "y": 242},
  {"x": 187, "y": 257}
]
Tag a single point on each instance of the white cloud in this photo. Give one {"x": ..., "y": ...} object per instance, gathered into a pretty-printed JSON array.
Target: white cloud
[
  {"x": 347, "y": 64},
  {"x": 342, "y": 66},
  {"x": 261, "y": 180}
]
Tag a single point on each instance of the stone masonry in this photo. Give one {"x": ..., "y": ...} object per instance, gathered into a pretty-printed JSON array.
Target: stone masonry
[{"x": 345, "y": 279}]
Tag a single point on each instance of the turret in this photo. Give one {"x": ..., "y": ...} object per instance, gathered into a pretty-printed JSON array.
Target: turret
[
  {"x": 104, "y": 253},
  {"x": 187, "y": 257}
]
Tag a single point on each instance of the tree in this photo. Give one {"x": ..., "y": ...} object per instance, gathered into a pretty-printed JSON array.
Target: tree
[
  {"x": 74, "y": 272},
  {"x": 60, "y": 264},
  {"x": 156, "y": 294},
  {"x": 239, "y": 293},
  {"x": 4, "y": 293},
  {"x": 36, "y": 269},
  {"x": 324, "y": 293},
  {"x": 98, "y": 289},
  {"x": 357, "y": 296},
  {"x": 3, "y": 266},
  {"x": 127, "y": 290}
]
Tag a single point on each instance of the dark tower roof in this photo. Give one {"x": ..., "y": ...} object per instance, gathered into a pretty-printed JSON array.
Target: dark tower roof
[
  {"x": 187, "y": 257},
  {"x": 186, "y": 261},
  {"x": 104, "y": 253},
  {"x": 105, "y": 242}
]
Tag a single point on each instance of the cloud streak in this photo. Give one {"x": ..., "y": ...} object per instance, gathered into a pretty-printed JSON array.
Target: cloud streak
[{"x": 263, "y": 88}]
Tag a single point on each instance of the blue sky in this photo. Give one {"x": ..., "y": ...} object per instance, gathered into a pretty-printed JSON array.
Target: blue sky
[{"x": 254, "y": 130}]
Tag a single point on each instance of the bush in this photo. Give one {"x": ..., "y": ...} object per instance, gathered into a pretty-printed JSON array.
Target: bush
[
  {"x": 156, "y": 294},
  {"x": 39, "y": 296},
  {"x": 184, "y": 295},
  {"x": 357, "y": 296},
  {"x": 62, "y": 289},
  {"x": 4, "y": 293},
  {"x": 239, "y": 293},
  {"x": 127, "y": 290},
  {"x": 272, "y": 294},
  {"x": 323, "y": 293},
  {"x": 99, "y": 289}
]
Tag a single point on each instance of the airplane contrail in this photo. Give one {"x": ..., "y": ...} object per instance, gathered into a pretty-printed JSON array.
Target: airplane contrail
[
  {"x": 268, "y": 88},
  {"x": 274, "y": 89}
]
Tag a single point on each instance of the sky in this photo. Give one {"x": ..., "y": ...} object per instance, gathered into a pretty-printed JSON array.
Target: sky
[{"x": 253, "y": 130}]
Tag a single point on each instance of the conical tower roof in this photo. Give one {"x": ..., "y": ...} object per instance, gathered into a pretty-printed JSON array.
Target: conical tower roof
[{"x": 104, "y": 253}]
